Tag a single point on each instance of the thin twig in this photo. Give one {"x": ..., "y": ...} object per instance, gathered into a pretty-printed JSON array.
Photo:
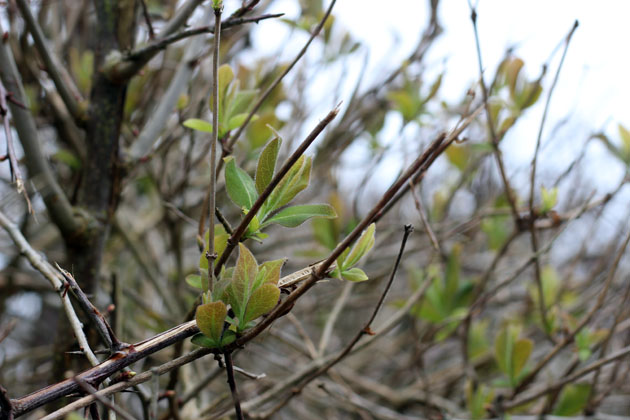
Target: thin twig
[
  {"x": 13, "y": 162},
  {"x": 233, "y": 139},
  {"x": 147, "y": 18},
  {"x": 493, "y": 134},
  {"x": 93, "y": 314},
  {"x": 229, "y": 368},
  {"x": 532, "y": 212},
  {"x": 107, "y": 403},
  {"x": 332, "y": 318}
]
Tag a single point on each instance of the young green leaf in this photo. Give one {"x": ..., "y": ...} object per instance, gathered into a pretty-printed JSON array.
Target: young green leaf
[
  {"x": 354, "y": 274},
  {"x": 522, "y": 350},
  {"x": 296, "y": 215},
  {"x": 240, "y": 186},
  {"x": 242, "y": 280},
  {"x": 194, "y": 280},
  {"x": 267, "y": 164},
  {"x": 262, "y": 300},
  {"x": 201, "y": 340},
  {"x": 289, "y": 186},
  {"x": 237, "y": 120},
  {"x": 210, "y": 318},
  {"x": 549, "y": 198},
  {"x": 199, "y": 125},
  {"x": 361, "y": 248},
  {"x": 573, "y": 399}
]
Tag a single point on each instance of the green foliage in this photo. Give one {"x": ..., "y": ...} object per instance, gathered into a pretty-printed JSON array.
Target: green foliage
[
  {"x": 585, "y": 339},
  {"x": 512, "y": 352},
  {"x": 409, "y": 100},
  {"x": 250, "y": 290},
  {"x": 621, "y": 152},
  {"x": 345, "y": 269},
  {"x": 478, "y": 400},
  {"x": 244, "y": 191},
  {"x": 549, "y": 198},
  {"x": 447, "y": 297},
  {"x": 233, "y": 105},
  {"x": 572, "y": 400}
]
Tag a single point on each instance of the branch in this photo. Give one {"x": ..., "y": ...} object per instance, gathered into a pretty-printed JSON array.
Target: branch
[
  {"x": 53, "y": 68},
  {"x": 128, "y": 65},
  {"x": 56, "y": 202},
  {"x": 229, "y": 368}
]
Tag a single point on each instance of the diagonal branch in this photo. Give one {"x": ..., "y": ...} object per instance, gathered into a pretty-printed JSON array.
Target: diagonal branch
[{"x": 53, "y": 68}]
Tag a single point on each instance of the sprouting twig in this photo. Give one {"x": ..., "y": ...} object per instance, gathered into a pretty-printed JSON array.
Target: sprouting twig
[
  {"x": 92, "y": 391},
  {"x": 240, "y": 229},
  {"x": 229, "y": 368},
  {"x": 532, "y": 211},
  {"x": 233, "y": 139}
]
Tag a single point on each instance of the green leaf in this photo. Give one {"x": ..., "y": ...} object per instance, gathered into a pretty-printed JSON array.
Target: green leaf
[
  {"x": 267, "y": 164},
  {"x": 289, "y": 186},
  {"x": 67, "y": 157},
  {"x": 522, "y": 350},
  {"x": 271, "y": 270},
  {"x": 210, "y": 318},
  {"x": 572, "y": 400},
  {"x": 477, "y": 400},
  {"x": 200, "y": 339},
  {"x": 458, "y": 155},
  {"x": 624, "y": 134},
  {"x": 362, "y": 247},
  {"x": 194, "y": 280},
  {"x": 354, "y": 274},
  {"x": 240, "y": 186},
  {"x": 263, "y": 300},
  {"x": 241, "y": 102},
  {"x": 238, "y": 120},
  {"x": 199, "y": 125},
  {"x": 451, "y": 285},
  {"x": 549, "y": 198},
  {"x": 242, "y": 280},
  {"x": 503, "y": 349},
  {"x": 226, "y": 75},
  {"x": 296, "y": 215}
]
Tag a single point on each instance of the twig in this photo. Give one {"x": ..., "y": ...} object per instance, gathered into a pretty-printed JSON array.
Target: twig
[
  {"x": 132, "y": 62},
  {"x": 155, "y": 391},
  {"x": 41, "y": 265},
  {"x": 233, "y": 139},
  {"x": 365, "y": 330},
  {"x": 69, "y": 96},
  {"x": 92, "y": 391},
  {"x": 93, "y": 314},
  {"x": 13, "y": 163},
  {"x": 229, "y": 368},
  {"x": 240, "y": 229},
  {"x": 147, "y": 18},
  {"x": 493, "y": 134},
  {"x": 212, "y": 192},
  {"x": 423, "y": 218},
  {"x": 532, "y": 211}
]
